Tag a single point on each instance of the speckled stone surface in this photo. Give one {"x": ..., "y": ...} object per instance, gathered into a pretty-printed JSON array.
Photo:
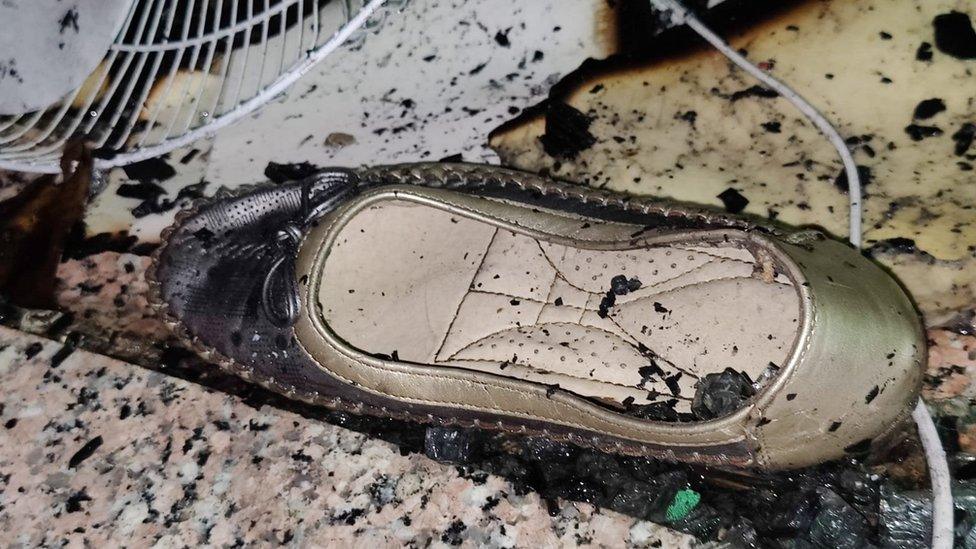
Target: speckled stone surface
[
  {"x": 109, "y": 290},
  {"x": 97, "y": 452}
]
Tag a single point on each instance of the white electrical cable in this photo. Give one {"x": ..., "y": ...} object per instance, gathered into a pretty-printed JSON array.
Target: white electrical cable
[
  {"x": 825, "y": 127},
  {"x": 942, "y": 505},
  {"x": 943, "y": 510}
]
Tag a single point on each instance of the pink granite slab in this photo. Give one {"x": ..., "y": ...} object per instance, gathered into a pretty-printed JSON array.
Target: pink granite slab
[{"x": 98, "y": 452}]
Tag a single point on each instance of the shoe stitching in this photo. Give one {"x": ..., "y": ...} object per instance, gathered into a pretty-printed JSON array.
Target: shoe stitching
[
  {"x": 469, "y": 346},
  {"x": 539, "y": 371},
  {"x": 457, "y": 311}
]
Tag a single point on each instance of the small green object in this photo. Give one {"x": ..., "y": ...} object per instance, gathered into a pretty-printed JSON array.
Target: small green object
[{"x": 682, "y": 504}]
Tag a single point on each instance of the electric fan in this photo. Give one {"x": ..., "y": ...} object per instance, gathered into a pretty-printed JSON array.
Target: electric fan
[{"x": 139, "y": 78}]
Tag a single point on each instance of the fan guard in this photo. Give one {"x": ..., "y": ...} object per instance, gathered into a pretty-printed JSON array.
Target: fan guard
[{"x": 181, "y": 69}]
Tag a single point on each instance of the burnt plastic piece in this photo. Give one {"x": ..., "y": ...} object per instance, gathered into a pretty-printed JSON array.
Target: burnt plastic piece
[
  {"x": 719, "y": 395},
  {"x": 733, "y": 200},
  {"x": 620, "y": 285},
  {"x": 906, "y": 516},
  {"x": 660, "y": 411},
  {"x": 450, "y": 444},
  {"x": 838, "y": 524},
  {"x": 282, "y": 173},
  {"x": 567, "y": 131},
  {"x": 954, "y": 35}
]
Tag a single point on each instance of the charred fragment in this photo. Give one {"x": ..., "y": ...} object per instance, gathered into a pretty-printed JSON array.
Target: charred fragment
[
  {"x": 650, "y": 371},
  {"x": 863, "y": 174},
  {"x": 151, "y": 195},
  {"x": 567, "y": 131},
  {"x": 69, "y": 346},
  {"x": 924, "y": 52},
  {"x": 659, "y": 411},
  {"x": 954, "y": 35},
  {"x": 143, "y": 190},
  {"x": 32, "y": 350},
  {"x": 280, "y": 173},
  {"x": 928, "y": 108},
  {"x": 964, "y": 138},
  {"x": 753, "y": 91},
  {"x": 721, "y": 394},
  {"x": 448, "y": 444},
  {"x": 606, "y": 303},
  {"x": 620, "y": 285},
  {"x": 672, "y": 383},
  {"x": 733, "y": 200},
  {"x": 153, "y": 169},
  {"x": 918, "y": 133}
]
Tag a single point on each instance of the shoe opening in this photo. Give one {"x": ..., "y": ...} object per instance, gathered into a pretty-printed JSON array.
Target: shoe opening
[{"x": 683, "y": 331}]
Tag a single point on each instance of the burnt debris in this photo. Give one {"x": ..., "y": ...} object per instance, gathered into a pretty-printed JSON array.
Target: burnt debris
[
  {"x": 864, "y": 174},
  {"x": 954, "y": 35},
  {"x": 733, "y": 200},
  {"x": 964, "y": 138},
  {"x": 79, "y": 245},
  {"x": 924, "y": 52},
  {"x": 152, "y": 196},
  {"x": 811, "y": 507},
  {"x": 281, "y": 173},
  {"x": 449, "y": 444},
  {"x": 918, "y": 132},
  {"x": 154, "y": 169},
  {"x": 660, "y": 411},
  {"x": 619, "y": 285},
  {"x": 928, "y": 108},
  {"x": 753, "y": 91},
  {"x": 567, "y": 131},
  {"x": 721, "y": 394},
  {"x": 84, "y": 452}
]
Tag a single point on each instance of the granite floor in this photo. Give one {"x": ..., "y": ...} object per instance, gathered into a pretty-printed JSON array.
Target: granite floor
[{"x": 98, "y": 452}]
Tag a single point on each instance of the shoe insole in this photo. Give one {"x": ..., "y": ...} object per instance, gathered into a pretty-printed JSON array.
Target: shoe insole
[{"x": 433, "y": 287}]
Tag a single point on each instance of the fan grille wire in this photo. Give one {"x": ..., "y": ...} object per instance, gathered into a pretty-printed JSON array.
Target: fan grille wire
[{"x": 180, "y": 69}]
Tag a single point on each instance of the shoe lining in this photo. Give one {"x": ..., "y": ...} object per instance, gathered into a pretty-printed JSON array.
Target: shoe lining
[{"x": 424, "y": 285}]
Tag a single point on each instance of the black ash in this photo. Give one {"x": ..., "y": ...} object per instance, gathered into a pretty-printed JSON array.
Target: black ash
[{"x": 718, "y": 395}]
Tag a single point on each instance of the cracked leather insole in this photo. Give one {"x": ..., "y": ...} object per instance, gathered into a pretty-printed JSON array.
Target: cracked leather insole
[{"x": 434, "y": 287}]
